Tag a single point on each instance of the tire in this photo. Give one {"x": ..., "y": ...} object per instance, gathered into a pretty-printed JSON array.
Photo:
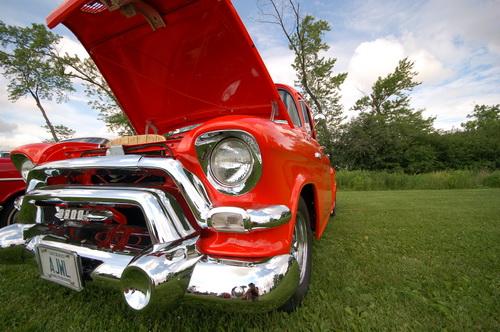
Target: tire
[
  {"x": 301, "y": 250},
  {"x": 334, "y": 211},
  {"x": 8, "y": 215}
]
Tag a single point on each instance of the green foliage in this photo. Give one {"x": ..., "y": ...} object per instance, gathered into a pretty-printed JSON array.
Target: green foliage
[
  {"x": 389, "y": 261},
  {"x": 371, "y": 142},
  {"x": 62, "y": 132},
  {"x": 29, "y": 60},
  {"x": 315, "y": 75},
  {"x": 314, "y": 72},
  {"x": 380, "y": 180},
  {"x": 389, "y": 135},
  {"x": 484, "y": 117},
  {"x": 389, "y": 95},
  {"x": 103, "y": 99}
]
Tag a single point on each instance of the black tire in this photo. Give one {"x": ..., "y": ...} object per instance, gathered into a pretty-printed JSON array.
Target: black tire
[
  {"x": 301, "y": 249},
  {"x": 9, "y": 213}
]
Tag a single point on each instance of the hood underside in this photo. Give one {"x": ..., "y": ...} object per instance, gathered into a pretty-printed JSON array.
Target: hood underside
[{"x": 172, "y": 63}]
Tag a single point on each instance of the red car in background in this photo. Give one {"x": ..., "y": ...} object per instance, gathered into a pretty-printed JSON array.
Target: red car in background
[{"x": 11, "y": 186}]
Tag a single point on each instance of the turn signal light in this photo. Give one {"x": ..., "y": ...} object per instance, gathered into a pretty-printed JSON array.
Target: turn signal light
[{"x": 228, "y": 220}]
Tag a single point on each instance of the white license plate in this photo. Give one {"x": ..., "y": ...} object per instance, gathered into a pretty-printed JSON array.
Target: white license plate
[{"x": 60, "y": 266}]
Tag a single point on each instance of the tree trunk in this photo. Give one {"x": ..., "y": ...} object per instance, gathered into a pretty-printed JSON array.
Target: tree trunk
[{"x": 47, "y": 121}]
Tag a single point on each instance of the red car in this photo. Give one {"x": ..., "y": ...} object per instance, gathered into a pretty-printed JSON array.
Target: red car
[
  {"x": 11, "y": 186},
  {"x": 218, "y": 198}
]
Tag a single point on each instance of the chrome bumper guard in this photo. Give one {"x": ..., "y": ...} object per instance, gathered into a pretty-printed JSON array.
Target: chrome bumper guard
[
  {"x": 167, "y": 274},
  {"x": 171, "y": 269}
]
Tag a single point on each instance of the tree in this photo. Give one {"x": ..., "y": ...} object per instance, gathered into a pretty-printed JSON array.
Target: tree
[
  {"x": 62, "y": 132},
  {"x": 482, "y": 137},
  {"x": 29, "y": 61},
  {"x": 103, "y": 99},
  {"x": 483, "y": 117},
  {"x": 314, "y": 71},
  {"x": 389, "y": 95},
  {"x": 388, "y": 134}
]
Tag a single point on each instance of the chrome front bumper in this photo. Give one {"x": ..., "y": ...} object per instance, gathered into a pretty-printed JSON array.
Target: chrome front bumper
[
  {"x": 168, "y": 274},
  {"x": 170, "y": 269}
]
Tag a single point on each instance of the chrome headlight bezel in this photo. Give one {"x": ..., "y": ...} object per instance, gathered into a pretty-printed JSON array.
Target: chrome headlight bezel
[
  {"x": 207, "y": 147},
  {"x": 231, "y": 154},
  {"x": 23, "y": 164},
  {"x": 26, "y": 167}
]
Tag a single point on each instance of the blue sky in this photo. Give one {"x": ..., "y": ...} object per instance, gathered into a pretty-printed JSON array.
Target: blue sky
[{"x": 455, "y": 45}]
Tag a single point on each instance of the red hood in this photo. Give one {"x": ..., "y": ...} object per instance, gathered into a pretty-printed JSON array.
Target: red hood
[{"x": 174, "y": 63}]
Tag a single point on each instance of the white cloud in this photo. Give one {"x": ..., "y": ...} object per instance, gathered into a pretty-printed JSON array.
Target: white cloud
[
  {"x": 72, "y": 47},
  {"x": 280, "y": 68},
  {"x": 429, "y": 68},
  {"x": 372, "y": 60},
  {"x": 26, "y": 134}
]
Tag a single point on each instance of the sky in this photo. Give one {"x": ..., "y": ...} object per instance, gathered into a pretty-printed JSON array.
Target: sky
[{"x": 455, "y": 45}]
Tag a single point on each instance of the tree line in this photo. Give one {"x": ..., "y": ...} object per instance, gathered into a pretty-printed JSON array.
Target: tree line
[{"x": 387, "y": 133}]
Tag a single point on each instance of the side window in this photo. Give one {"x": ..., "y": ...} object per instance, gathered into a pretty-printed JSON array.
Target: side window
[
  {"x": 305, "y": 115},
  {"x": 291, "y": 107}
]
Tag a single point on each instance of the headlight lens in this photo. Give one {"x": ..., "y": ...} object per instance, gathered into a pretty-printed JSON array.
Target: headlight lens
[
  {"x": 231, "y": 162},
  {"x": 26, "y": 166}
]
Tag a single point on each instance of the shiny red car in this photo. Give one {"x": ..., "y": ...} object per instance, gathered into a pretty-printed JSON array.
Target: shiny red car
[
  {"x": 218, "y": 198},
  {"x": 11, "y": 186}
]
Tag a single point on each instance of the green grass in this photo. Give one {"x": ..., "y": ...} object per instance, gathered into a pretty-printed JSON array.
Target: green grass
[{"x": 424, "y": 260}]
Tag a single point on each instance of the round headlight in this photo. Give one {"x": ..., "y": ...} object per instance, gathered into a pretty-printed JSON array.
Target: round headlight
[
  {"x": 231, "y": 162},
  {"x": 26, "y": 166}
]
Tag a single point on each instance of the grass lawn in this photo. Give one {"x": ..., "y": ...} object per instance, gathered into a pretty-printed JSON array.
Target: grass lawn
[{"x": 389, "y": 260}]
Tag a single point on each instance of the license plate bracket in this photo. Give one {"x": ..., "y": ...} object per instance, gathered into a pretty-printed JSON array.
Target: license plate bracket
[{"x": 60, "y": 266}]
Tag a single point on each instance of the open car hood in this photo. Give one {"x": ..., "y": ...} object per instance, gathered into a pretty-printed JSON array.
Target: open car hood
[{"x": 172, "y": 63}]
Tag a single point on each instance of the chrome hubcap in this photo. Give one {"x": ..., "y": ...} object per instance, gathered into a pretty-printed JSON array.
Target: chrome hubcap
[{"x": 299, "y": 244}]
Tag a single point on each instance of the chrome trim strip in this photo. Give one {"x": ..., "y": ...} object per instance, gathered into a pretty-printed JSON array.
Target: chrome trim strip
[
  {"x": 189, "y": 186},
  {"x": 11, "y": 179},
  {"x": 271, "y": 216}
]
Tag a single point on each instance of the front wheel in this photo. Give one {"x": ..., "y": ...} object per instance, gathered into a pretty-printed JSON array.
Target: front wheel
[{"x": 301, "y": 250}]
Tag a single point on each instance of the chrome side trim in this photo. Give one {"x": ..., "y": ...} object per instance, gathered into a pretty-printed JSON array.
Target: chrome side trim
[{"x": 271, "y": 216}]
